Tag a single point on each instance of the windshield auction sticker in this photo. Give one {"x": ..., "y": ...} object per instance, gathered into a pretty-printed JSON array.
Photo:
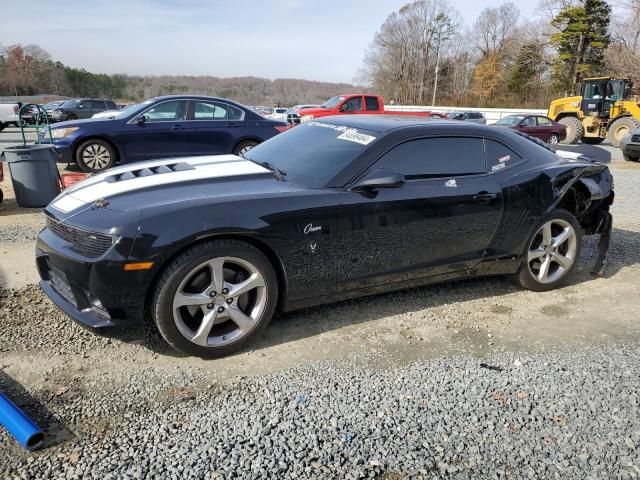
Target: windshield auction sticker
[{"x": 349, "y": 134}]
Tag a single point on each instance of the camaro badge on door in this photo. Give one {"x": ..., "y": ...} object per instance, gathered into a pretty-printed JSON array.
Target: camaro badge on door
[{"x": 310, "y": 229}]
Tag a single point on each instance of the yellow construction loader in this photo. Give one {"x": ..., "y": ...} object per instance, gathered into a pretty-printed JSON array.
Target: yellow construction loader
[{"x": 606, "y": 109}]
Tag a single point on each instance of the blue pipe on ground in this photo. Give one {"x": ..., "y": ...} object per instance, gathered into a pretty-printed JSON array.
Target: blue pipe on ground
[{"x": 19, "y": 425}]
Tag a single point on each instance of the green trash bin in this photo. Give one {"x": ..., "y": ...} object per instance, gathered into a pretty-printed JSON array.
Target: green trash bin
[{"x": 34, "y": 174}]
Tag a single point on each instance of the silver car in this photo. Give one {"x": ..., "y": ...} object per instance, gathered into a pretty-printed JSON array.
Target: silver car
[{"x": 475, "y": 117}]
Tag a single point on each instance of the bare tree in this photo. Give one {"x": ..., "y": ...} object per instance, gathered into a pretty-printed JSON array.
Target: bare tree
[{"x": 494, "y": 29}]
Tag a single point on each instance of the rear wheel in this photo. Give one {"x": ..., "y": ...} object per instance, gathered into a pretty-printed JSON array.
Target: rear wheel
[
  {"x": 553, "y": 139},
  {"x": 552, "y": 252},
  {"x": 95, "y": 156},
  {"x": 592, "y": 140},
  {"x": 71, "y": 116},
  {"x": 575, "y": 129},
  {"x": 621, "y": 127},
  {"x": 244, "y": 147},
  {"x": 215, "y": 298}
]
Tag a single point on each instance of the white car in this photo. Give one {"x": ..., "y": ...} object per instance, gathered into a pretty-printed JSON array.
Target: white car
[
  {"x": 279, "y": 113},
  {"x": 8, "y": 114}
]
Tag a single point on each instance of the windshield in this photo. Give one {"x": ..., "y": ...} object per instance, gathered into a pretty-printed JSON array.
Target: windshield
[
  {"x": 135, "y": 108},
  {"x": 313, "y": 153},
  {"x": 333, "y": 102},
  {"x": 70, "y": 103},
  {"x": 510, "y": 120},
  {"x": 52, "y": 104}
]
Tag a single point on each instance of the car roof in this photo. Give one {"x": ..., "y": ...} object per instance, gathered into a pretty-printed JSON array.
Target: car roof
[{"x": 386, "y": 123}]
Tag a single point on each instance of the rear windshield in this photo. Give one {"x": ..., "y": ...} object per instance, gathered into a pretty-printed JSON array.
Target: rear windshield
[{"x": 313, "y": 153}]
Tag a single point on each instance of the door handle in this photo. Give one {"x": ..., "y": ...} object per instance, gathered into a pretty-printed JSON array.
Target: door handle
[
  {"x": 177, "y": 127},
  {"x": 485, "y": 197},
  {"x": 231, "y": 125}
]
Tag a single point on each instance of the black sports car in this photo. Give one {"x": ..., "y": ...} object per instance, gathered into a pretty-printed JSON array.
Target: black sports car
[{"x": 212, "y": 246}]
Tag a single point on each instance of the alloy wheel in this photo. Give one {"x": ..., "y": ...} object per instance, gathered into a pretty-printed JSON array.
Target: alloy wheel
[
  {"x": 244, "y": 150},
  {"x": 96, "y": 156},
  {"x": 219, "y": 301},
  {"x": 553, "y": 139},
  {"x": 552, "y": 251}
]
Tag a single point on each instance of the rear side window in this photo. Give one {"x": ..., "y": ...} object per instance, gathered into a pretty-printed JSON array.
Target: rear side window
[
  {"x": 544, "y": 121},
  {"x": 499, "y": 156},
  {"x": 436, "y": 157},
  {"x": 97, "y": 105},
  {"x": 371, "y": 104},
  {"x": 216, "y": 111},
  {"x": 111, "y": 105}
]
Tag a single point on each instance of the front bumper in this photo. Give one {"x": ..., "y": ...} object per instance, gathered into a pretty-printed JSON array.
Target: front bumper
[
  {"x": 63, "y": 147},
  {"x": 96, "y": 293},
  {"x": 632, "y": 149}
]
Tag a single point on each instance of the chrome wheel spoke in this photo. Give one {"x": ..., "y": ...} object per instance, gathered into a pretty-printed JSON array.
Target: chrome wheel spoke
[
  {"x": 217, "y": 273},
  {"x": 201, "y": 336},
  {"x": 535, "y": 253},
  {"x": 543, "y": 273},
  {"x": 254, "y": 281},
  {"x": 561, "y": 260},
  {"x": 243, "y": 321},
  {"x": 182, "y": 299},
  {"x": 562, "y": 237},
  {"x": 546, "y": 234}
]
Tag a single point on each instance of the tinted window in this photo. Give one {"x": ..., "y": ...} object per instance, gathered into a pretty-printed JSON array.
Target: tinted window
[
  {"x": 70, "y": 104},
  {"x": 529, "y": 122},
  {"x": 167, "y": 111},
  {"x": 314, "y": 152},
  {"x": 544, "y": 121},
  {"x": 97, "y": 105},
  {"x": 435, "y": 157},
  {"x": 499, "y": 156},
  {"x": 352, "y": 105},
  {"x": 111, "y": 105},
  {"x": 371, "y": 104}
]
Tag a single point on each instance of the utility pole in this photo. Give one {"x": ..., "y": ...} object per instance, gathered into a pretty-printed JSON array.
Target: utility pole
[{"x": 435, "y": 83}]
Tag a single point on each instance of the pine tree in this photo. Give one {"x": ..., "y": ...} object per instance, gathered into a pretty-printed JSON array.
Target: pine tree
[
  {"x": 525, "y": 78},
  {"x": 581, "y": 41}
]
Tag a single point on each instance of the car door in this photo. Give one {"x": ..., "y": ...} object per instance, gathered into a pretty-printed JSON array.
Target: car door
[
  {"x": 84, "y": 109},
  {"x": 157, "y": 132},
  {"x": 214, "y": 127},
  {"x": 529, "y": 125},
  {"x": 545, "y": 128},
  {"x": 440, "y": 221}
]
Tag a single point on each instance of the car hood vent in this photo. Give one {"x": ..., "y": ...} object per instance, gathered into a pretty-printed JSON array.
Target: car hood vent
[
  {"x": 155, "y": 174},
  {"x": 147, "y": 172}
]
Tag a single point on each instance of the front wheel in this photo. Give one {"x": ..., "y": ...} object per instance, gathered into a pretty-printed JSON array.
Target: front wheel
[
  {"x": 630, "y": 158},
  {"x": 244, "y": 147},
  {"x": 620, "y": 128},
  {"x": 553, "y": 139},
  {"x": 95, "y": 156},
  {"x": 215, "y": 298},
  {"x": 552, "y": 252}
]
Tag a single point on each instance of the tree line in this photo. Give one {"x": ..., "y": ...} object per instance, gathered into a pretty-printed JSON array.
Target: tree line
[{"x": 501, "y": 59}]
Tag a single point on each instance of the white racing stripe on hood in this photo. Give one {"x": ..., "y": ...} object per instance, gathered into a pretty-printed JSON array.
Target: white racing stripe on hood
[{"x": 97, "y": 187}]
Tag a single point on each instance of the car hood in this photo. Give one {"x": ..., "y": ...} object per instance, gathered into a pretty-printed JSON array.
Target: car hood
[
  {"x": 315, "y": 111},
  {"x": 76, "y": 123},
  {"x": 159, "y": 183}
]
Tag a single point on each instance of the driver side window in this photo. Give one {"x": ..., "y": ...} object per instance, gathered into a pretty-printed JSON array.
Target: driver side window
[
  {"x": 529, "y": 122},
  {"x": 352, "y": 105}
]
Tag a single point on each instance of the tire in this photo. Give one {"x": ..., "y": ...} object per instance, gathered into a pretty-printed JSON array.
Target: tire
[
  {"x": 575, "y": 130},
  {"x": 183, "y": 327},
  {"x": 95, "y": 155},
  {"x": 71, "y": 116},
  {"x": 553, "y": 139},
  {"x": 619, "y": 128},
  {"x": 592, "y": 140},
  {"x": 244, "y": 147},
  {"x": 2, "y": 126},
  {"x": 1, "y": 195},
  {"x": 630, "y": 158},
  {"x": 532, "y": 275}
]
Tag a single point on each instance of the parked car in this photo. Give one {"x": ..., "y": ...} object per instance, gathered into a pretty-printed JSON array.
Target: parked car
[
  {"x": 81, "y": 108},
  {"x": 354, "y": 104},
  {"x": 8, "y": 114},
  {"x": 292, "y": 114},
  {"x": 630, "y": 146},
  {"x": 51, "y": 106},
  {"x": 475, "y": 117},
  {"x": 538, "y": 126},
  {"x": 210, "y": 247},
  {"x": 279, "y": 113},
  {"x": 113, "y": 113},
  {"x": 171, "y": 126}
]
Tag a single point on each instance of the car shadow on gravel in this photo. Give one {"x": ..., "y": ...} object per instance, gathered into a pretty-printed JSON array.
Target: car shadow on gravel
[
  {"x": 624, "y": 252},
  {"x": 55, "y": 430}
]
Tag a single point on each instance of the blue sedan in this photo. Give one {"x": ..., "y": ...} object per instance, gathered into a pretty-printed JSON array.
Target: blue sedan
[{"x": 162, "y": 127}]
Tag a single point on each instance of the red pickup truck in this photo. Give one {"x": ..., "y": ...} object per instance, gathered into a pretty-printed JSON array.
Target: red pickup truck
[{"x": 352, "y": 104}]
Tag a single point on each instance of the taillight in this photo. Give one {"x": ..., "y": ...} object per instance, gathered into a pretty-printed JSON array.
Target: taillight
[{"x": 282, "y": 128}]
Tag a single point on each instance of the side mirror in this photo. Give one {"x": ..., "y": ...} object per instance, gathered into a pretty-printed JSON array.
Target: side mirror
[
  {"x": 380, "y": 178},
  {"x": 141, "y": 120},
  {"x": 344, "y": 108}
]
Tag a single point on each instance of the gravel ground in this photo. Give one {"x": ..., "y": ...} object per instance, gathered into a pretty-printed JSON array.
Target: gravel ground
[
  {"x": 473, "y": 379},
  {"x": 17, "y": 233},
  {"x": 553, "y": 416}
]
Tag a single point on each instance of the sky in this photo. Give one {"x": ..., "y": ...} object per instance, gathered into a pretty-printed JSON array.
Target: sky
[{"x": 312, "y": 39}]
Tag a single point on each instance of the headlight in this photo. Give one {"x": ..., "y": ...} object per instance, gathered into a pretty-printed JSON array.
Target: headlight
[
  {"x": 306, "y": 118},
  {"x": 62, "y": 132}
]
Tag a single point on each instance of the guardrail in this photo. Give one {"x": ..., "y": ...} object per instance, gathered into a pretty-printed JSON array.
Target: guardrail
[{"x": 491, "y": 114}]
